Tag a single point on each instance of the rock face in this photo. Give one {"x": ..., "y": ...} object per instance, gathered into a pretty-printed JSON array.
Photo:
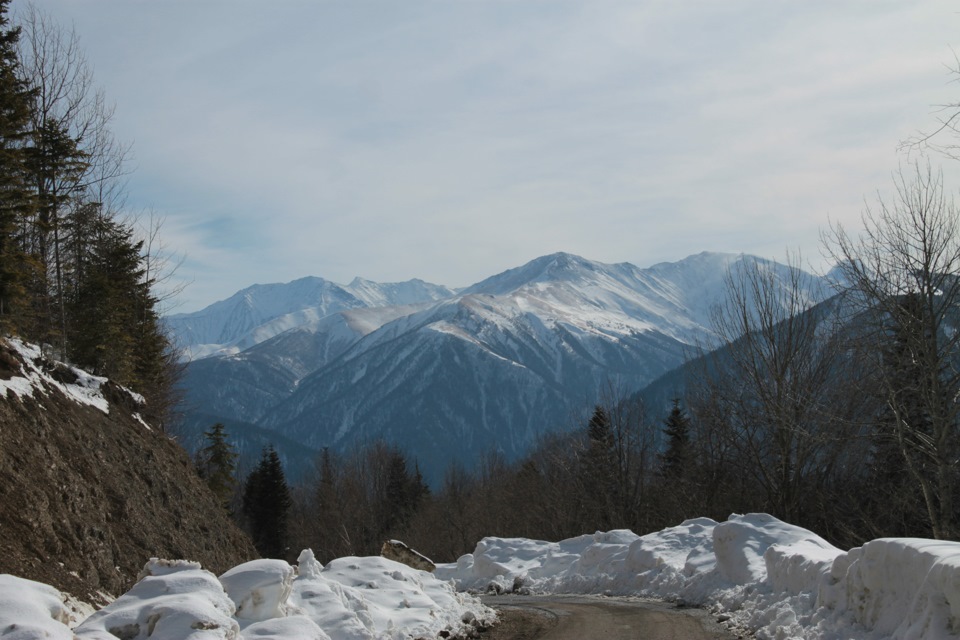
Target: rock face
[{"x": 88, "y": 491}]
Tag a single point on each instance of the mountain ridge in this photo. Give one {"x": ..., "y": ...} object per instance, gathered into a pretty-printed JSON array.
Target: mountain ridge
[{"x": 496, "y": 364}]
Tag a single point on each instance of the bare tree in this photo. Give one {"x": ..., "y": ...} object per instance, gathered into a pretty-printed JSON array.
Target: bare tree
[
  {"x": 771, "y": 383},
  {"x": 159, "y": 261},
  {"x": 942, "y": 137},
  {"x": 904, "y": 273}
]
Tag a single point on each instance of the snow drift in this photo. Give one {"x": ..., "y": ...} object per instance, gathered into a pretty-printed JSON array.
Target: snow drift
[
  {"x": 350, "y": 598},
  {"x": 756, "y": 572},
  {"x": 762, "y": 574}
]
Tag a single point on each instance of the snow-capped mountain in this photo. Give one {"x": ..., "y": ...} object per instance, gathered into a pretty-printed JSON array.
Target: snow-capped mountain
[
  {"x": 260, "y": 312},
  {"x": 520, "y": 354}
]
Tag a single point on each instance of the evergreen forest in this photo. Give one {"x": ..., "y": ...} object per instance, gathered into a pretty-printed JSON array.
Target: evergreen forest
[{"x": 77, "y": 274}]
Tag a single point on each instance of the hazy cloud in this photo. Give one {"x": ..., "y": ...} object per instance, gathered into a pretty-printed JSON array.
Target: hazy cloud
[{"x": 449, "y": 140}]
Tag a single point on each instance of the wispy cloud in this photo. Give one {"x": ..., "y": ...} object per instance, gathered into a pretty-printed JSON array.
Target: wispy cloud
[{"x": 448, "y": 140}]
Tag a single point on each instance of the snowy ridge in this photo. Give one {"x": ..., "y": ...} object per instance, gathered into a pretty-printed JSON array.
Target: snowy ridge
[
  {"x": 758, "y": 573},
  {"x": 261, "y": 312},
  {"x": 505, "y": 360},
  {"x": 349, "y": 599},
  {"x": 33, "y": 378}
]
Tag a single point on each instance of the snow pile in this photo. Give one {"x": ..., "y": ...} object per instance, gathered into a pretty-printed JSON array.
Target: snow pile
[
  {"x": 85, "y": 388},
  {"x": 762, "y": 574},
  {"x": 905, "y": 588},
  {"x": 259, "y": 589},
  {"x": 350, "y": 598},
  {"x": 31, "y": 610},
  {"x": 367, "y": 598},
  {"x": 173, "y": 599}
]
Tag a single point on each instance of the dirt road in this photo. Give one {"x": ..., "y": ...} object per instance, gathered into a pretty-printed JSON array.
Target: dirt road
[{"x": 585, "y": 618}]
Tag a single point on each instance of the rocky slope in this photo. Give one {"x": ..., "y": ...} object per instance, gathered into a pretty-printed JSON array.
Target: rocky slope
[{"x": 88, "y": 491}]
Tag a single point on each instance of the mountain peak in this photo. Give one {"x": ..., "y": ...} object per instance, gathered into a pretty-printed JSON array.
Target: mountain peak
[{"x": 551, "y": 267}]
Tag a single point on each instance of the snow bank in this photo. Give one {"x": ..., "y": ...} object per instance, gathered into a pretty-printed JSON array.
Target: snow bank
[
  {"x": 762, "y": 574},
  {"x": 259, "y": 589},
  {"x": 906, "y": 588},
  {"x": 350, "y": 598},
  {"x": 173, "y": 600},
  {"x": 31, "y": 610},
  {"x": 773, "y": 578},
  {"x": 367, "y": 598}
]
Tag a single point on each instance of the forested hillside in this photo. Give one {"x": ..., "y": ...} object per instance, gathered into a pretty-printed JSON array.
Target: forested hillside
[{"x": 76, "y": 275}]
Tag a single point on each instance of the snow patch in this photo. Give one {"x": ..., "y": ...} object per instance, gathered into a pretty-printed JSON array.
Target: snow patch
[{"x": 85, "y": 389}]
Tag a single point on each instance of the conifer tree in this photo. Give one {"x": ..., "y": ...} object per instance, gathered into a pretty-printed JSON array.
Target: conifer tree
[
  {"x": 676, "y": 457},
  {"x": 599, "y": 471},
  {"x": 266, "y": 505},
  {"x": 404, "y": 492},
  {"x": 216, "y": 464},
  {"x": 16, "y": 201}
]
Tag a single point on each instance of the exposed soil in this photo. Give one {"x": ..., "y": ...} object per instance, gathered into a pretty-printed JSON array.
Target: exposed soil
[
  {"x": 519, "y": 624},
  {"x": 87, "y": 498},
  {"x": 585, "y": 617}
]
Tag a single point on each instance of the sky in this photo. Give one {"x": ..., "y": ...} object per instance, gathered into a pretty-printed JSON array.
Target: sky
[{"x": 449, "y": 140}]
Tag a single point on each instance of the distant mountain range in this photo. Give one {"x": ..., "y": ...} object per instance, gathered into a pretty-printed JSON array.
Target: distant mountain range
[{"x": 447, "y": 375}]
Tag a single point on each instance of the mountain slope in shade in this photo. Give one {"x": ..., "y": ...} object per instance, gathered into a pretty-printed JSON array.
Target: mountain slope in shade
[
  {"x": 519, "y": 354},
  {"x": 243, "y": 386},
  {"x": 468, "y": 375},
  {"x": 260, "y": 312}
]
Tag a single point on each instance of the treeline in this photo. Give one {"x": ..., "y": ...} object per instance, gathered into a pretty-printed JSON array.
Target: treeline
[
  {"x": 836, "y": 410},
  {"x": 75, "y": 275}
]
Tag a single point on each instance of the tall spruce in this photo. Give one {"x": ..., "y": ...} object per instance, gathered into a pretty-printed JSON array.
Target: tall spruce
[
  {"x": 599, "y": 477},
  {"x": 676, "y": 457},
  {"x": 266, "y": 505},
  {"x": 16, "y": 200},
  {"x": 217, "y": 464}
]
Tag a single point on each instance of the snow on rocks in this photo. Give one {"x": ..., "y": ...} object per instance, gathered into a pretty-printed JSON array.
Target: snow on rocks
[{"x": 83, "y": 387}]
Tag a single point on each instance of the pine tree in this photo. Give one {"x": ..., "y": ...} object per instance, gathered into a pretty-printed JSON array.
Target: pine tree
[
  {"x": 16, "y": 201},
  {"x": 266, "y": 505},
  {"x": 676, "y": 458},
  {"x": 404, "y": 492},
  {"x": 216, "y": 464},
  {"x": 599, "y": 471},
  {"x": 56, "y": 164}
]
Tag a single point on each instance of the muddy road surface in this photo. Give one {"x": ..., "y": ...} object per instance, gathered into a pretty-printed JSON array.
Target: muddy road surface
[{"x": 588, "y": 618}]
